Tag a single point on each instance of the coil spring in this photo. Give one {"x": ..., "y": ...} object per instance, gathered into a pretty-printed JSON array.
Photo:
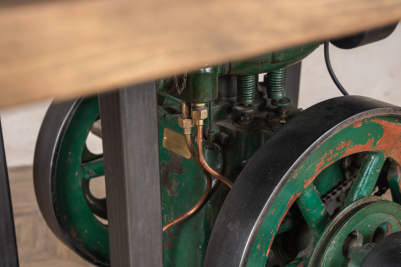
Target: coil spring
[
  {"x": 274, "y": 81},
  {"x": 246, "y": 89}
]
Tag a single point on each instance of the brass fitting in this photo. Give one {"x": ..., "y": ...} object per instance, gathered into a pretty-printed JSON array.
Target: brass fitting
[
  {"x": 199, "y": 113},
  {"x": 185, "y": 122}
]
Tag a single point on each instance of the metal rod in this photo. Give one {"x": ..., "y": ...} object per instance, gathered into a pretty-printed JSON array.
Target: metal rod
[
  {"x": 205, "y": 193},
  {"x": 169, "y": 97},
  {"x": 132, "y": 172},
  {"x": 205, "y": 164},
  {"x": 8, "y": 242}
]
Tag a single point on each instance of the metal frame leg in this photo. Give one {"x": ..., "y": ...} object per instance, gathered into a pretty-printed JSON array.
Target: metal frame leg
[
  {"x": 292, "y": 82},
  {"x": 131, "y": 162},
  {"x": 8, "y": 242}
]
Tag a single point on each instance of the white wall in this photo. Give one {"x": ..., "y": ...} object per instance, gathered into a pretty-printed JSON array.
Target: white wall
[
  {"x": 373, "y": 70},
  {"x": 20, "y": 129}
]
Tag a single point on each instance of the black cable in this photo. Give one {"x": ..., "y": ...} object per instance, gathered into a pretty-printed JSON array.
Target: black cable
[{"x": 330, "y": 69}]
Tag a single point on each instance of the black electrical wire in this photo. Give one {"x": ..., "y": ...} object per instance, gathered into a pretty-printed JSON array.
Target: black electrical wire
[{"x": 330, "y": 69}]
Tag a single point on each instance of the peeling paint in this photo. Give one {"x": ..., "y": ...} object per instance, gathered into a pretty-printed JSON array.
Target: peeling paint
[
  {"x": 168, "y": 245},
  {"x": 335, "y": 155},
  {"x": 391, "y": 139},
  {"x": 343, "y": 144}
]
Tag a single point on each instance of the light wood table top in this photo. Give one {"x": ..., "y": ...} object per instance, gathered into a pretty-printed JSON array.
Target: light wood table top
[{"x": 67, "y": 48}]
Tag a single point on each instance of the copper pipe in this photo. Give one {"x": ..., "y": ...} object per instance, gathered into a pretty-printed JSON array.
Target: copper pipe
[
  {"x": 205, "y": 164},
  {"x": 204, "y": 195}
]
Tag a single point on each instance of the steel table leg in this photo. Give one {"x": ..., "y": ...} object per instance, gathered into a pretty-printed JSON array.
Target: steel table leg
[
  {"x": 292, "y": 82},
  {"x": 131, "y": 162},
  {"x": 8, "y": 242}
]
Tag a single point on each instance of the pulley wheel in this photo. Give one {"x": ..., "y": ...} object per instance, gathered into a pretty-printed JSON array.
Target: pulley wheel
[
  {"x": 63, "y": 167},
  {"x": 305, "y": 198}
]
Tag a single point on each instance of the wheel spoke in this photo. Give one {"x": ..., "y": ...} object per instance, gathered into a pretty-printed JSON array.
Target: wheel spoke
[
  {"x": 367, "y": 177},
  {"x": 328, "y": 178},
  {"x": 89, "y": 156},
  {"x": 394, "y": 180},
  {"x": 313, "y": 211},
  {"x": 92, "y": 169}
]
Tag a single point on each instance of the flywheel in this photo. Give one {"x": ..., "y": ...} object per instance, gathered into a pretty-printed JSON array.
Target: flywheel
[
  {"x": 313, "y": 193},
  {"x": 63, "y": 168}
]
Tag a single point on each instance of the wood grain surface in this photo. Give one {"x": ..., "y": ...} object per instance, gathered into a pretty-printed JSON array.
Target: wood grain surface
[
  {"x": 37, "y": 245},
  {"x": 65, "y": 48}
]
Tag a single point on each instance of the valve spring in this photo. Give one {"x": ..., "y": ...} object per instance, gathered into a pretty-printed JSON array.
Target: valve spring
[
  {"x": 246, "y": 89},
  {"x": 274, "y": 81}
]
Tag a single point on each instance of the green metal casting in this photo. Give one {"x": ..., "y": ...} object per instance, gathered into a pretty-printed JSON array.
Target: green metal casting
[
  {"x": 182, "y": 183},
  {"x": 202, "y": 85},
  {"x": 269, "y": 62},
  {"x": 298, "y": 209},
  {"x": 349, "y": 238}
]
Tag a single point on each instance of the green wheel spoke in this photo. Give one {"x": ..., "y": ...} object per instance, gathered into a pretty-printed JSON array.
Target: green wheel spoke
[
  {"x": 89, "y": 156},
  {"x": 394, "y": 180},
  {"x": 313, "y": 211},
  {"x": 367, "y": 177},
  {"x": 328, "y": 178},
  {"x": 92, "y": 169}
]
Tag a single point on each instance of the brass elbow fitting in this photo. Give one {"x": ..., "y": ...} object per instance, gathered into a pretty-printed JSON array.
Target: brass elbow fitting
[
  {"x": 186, "y": 124},
  {"x": 185, "y": 121}
]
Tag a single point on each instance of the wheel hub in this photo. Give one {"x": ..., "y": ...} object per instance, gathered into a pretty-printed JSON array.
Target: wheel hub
[{"x": 353, "y": 232}]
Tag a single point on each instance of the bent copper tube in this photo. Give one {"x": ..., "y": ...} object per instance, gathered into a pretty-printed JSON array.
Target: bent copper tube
[
  {"x": 205, "y": 164},
  {"x": 204, "y": 195}
]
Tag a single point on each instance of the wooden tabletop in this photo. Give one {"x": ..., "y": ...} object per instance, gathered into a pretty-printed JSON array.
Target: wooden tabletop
[{"x": 66, "y": 48}]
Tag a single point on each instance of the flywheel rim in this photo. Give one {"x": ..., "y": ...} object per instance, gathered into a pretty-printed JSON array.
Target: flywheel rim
[
  {"x": 237, "y": 232},
  {"x": 54, "y": 201}
]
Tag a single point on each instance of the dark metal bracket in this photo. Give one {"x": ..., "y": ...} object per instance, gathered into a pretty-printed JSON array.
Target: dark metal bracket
[{"x": 8, "y": 242}]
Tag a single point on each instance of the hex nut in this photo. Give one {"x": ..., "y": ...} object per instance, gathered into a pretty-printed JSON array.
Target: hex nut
[
  {"x": 185, "y": 123},
  {"x": 199, "y": 114}
]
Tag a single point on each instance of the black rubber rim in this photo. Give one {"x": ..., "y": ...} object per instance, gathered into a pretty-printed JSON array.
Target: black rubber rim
[{"x": 254, "y": 191}]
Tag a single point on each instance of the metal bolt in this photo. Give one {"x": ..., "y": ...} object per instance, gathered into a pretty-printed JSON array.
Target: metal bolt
[{"x": 270, "y": 257}]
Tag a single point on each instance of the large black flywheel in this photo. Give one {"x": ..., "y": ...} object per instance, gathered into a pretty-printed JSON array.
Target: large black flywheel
[{"x": 311, "y": 196}]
